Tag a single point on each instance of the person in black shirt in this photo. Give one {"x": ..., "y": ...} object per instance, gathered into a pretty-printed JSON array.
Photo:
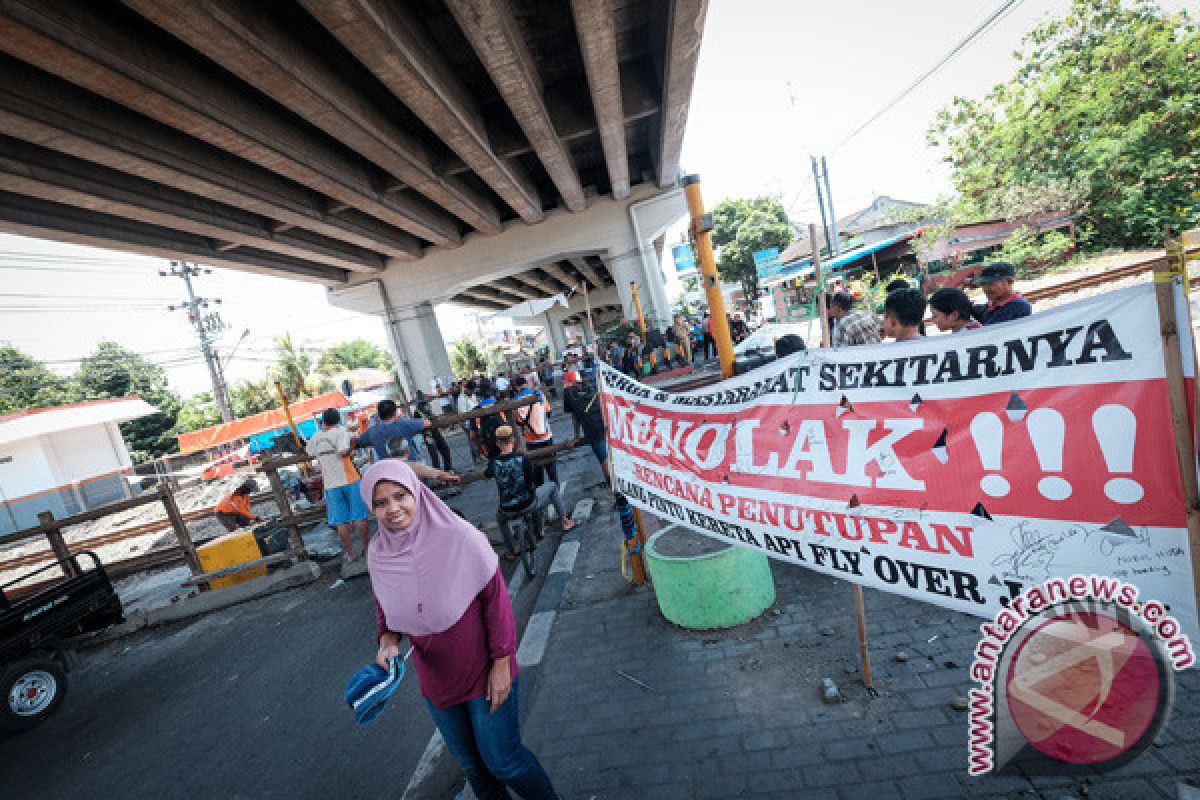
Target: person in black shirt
[
  {"x": 513, "y": 473},
  {"x": 434, "y": 441},
  {"x": 582, "y": 402},
  {"x": 1004, "y": 304}
]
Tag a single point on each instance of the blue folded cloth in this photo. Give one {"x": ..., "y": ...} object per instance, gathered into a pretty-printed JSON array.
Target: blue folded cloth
[{"x": 368, "y": 690}]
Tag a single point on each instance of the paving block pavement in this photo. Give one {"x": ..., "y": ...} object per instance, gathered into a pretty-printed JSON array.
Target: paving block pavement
[{"x": 739, "y": 713}]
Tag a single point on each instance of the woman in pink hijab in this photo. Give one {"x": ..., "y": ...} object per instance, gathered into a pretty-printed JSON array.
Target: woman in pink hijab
[{"x": 437, "y": 580}]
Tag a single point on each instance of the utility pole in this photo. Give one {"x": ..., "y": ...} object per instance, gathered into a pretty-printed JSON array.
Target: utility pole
[
  {"x": 837, "y": 242},
  {"x": 208, "y": 327},
  {"x": 820, "y": 204}
]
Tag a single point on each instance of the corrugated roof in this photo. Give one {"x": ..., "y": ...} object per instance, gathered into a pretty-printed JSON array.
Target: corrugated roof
[
  {"x": 258, "y": 423},
  {"x": 54, "y": 419}
]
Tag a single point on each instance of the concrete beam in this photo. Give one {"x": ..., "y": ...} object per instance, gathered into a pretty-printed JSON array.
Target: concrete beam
[
  {"x": 473, "y": 298},
  {"x": 242, "y": 37},
  {"x": 91, "y": 49},
  {"x": 30, "y": 216},
  {"x": 493, "y": 32},
  {"x": 47, "y": 111},
  {"x": 497, "y": 293},
  {"x": 559, "y": 274},
  {"x": 30, "y": 170},
  {"x": 596, "y": 28},
  {"x": 386, "y": 39},
  {"x": 587, "y": 271},
  {"x": 542, "y": 287},
  {"x": 685, "y": 30},
  {"x": 513, "y": 287}
]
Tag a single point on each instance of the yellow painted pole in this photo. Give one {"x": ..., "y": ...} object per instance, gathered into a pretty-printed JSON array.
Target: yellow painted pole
[
  {"x": 637, "y": 304},
  {"x": 701, "y": 228}
]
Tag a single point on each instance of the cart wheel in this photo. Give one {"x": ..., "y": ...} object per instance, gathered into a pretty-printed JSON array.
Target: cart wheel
[{"x": 32, "y": 690}]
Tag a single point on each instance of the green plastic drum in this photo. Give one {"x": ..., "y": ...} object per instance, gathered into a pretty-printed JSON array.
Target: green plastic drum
[{"x": 703, "y": 584}]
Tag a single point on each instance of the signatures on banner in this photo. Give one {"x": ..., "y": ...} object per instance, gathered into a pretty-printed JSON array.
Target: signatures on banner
[{"x": 1033, "y": 552}]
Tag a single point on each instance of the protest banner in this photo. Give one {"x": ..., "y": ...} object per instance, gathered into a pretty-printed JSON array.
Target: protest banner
[{"x": 953, "y": 469}]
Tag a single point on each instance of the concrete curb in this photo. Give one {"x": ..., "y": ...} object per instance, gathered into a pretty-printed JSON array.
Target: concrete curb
[
  {"x": 530, "y": 650},
  {"x": 288, "y": 578}
]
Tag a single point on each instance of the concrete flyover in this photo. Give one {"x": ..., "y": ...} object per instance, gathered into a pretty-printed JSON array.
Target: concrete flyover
[{"x": 403, "y": 154}]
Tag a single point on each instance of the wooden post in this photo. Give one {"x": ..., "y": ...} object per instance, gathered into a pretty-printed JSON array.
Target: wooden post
[
  {"x": 58, "y": 545},
  {"x": 701, "y": 228},
  {"x": 295, "y": 540},
  {"x": 1164, "y": 282},
  {"x": 637, "y": 561},
  {"x": 875, "y": 266},
  {"x": 588, "y": 307},
  {"x": 864, "y": 649},
  {"x": 822, "y": 308},
  {"x": 287, "y": 412},
  {"x": 179, "y": 525}
]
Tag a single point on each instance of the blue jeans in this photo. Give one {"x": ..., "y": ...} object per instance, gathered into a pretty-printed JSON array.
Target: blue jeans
[{"x": 488, "y": 748}]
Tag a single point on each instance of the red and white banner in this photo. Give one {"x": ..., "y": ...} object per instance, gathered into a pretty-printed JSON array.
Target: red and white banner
[{"x": 954, "y": 469}]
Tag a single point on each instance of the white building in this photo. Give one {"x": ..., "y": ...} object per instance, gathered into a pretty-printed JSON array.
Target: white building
[{"x": 64, "y": 459}]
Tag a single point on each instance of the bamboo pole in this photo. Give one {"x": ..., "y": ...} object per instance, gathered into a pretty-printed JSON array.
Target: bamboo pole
[
  {"x": 701, "y": 228},
  {"x": 1165, "y": 280},
  {"x": 287, "y": 412}
]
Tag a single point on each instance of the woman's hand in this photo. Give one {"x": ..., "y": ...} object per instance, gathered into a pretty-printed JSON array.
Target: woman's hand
[
  {"x": 499, "y": 683},
  {"x": 389, "y": 647}
]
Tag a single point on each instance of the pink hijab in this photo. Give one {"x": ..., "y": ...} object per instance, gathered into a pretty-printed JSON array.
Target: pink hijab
[{"x": 426, "y": 575}]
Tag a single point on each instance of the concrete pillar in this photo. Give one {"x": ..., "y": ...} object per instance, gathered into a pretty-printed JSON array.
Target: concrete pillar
[
  {"x": 423, "y": 356},
  {"x": 556, "y": 335}
]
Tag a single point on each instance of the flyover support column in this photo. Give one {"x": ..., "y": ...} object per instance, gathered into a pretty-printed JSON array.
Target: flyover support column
[
  {"x": 556, "y": 334},
  {"x": 415, "y": 331}
]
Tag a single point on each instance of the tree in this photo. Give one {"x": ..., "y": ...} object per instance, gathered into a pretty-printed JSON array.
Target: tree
[
  {"x": 254, "y": 397},
  {"x": 743, "y": 227},
  {"x": 27, "y": 383},
  {"x": 113, "y": 371},
  {"x": 352, "y": 355},
  {"x": 196, "y": 412},
  {"x": 467, "y": 358},
  {"x": 294, "y": 368},
  {"x": 1101, "y": 116}
]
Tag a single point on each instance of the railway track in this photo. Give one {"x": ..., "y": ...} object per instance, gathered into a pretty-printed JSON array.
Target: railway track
[{"x": 1099, "y": 279}]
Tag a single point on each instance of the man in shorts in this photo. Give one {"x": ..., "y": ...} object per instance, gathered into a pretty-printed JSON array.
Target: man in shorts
[{"x": 344, "y": 506}]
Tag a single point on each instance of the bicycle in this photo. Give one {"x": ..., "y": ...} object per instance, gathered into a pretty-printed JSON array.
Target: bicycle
[{"x": 528, "y": 531}]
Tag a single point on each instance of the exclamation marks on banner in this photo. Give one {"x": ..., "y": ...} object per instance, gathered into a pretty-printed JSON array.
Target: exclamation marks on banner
[
  {"x": 1047, "y": 433},
  {"x": 988, "y": 432},
  {"x": 1116, "y": 431}
]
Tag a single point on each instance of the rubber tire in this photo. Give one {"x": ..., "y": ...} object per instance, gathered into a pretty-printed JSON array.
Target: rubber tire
[
  {"x": 9, "y": 720},
  {"x": 527, "y": 544}
]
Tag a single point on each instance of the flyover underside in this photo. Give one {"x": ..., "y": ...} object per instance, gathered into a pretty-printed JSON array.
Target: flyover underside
[
  {"x": 328, "y": 140},
  {"x": 609, "y": 248}
]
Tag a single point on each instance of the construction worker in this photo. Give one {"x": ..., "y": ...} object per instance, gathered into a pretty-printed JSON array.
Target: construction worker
[
  {"x": 331, "y": 446},
  {"x": 535, "y": 427},
  {"x": 233, "y": 511}
]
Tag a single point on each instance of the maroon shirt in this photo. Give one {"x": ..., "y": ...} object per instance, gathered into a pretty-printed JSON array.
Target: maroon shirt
[{"x": 452, "y": 666}]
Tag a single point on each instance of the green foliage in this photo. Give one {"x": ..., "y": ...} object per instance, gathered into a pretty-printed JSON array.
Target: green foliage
[
  {"x": 352, "y": 355},
  {"x": 1029, "y": 251},
  {"x": 254, "y": 397},
  {"x": 27, "y": 383},
  {"x": 113, "y": 371},
  {"x": 1102, "y": 117},
  {"x": 295, "y": 369},
  {"x": 872, "y": 291},
  {"x": 196, "y": 412},
  {"x": 467, "y": 358},
  {"x": 742, "y": 227}
]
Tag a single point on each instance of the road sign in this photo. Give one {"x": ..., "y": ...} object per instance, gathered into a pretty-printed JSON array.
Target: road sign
[
  {"x": 768, "y": 263},
  {"x": 685, "y": 259}
]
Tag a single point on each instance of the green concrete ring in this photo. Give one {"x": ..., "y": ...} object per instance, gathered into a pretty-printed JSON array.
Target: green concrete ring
[{"x": 714, "y": 590}]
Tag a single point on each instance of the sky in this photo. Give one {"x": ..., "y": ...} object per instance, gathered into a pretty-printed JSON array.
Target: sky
[{"x": 777, "y": 81}]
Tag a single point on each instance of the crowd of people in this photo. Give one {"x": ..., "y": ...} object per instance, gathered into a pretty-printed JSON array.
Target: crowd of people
[
  {"x": 436, "y": 578},
  {"x": 950, "y": 309}
]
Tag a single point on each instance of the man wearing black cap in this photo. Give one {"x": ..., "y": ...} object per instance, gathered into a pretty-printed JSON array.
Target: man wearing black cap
[{"x": 1004, "y": 303}]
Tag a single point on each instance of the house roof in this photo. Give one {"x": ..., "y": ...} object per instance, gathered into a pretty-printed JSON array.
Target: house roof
[
  {"x": 258, "y": 423},
  {"x": 54, "y": 419},
  {"x": 879, "y": 213}
]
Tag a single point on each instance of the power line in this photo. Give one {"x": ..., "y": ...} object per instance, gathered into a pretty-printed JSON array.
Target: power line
[{"x": 995, "y": 16}]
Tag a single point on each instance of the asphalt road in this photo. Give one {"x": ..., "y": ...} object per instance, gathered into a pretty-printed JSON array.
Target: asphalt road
[{"x": 241, "y": 703}]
